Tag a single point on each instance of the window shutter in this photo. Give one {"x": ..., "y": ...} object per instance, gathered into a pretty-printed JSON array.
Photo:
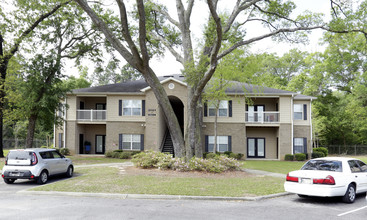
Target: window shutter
[
  {"x": 120, "y": 141},
  {"x": 120, "y": 107},
  {"x": 142, "y": 142},
  {"x": 205, "y": 109},
  {"x": 305, "y": 145},
  {"x": 143, "y": 107},
  {"x": 230, "y": 108},
  {"x": 206, "y": 143},
  {"x": 305, "y": 112},
  {"x": 230, "y": 143}
]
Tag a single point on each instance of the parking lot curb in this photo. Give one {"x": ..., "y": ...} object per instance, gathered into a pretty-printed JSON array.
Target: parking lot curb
[{"x": 153, "y": 197}]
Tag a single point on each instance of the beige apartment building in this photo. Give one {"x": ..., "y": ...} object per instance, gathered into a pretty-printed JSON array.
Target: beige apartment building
[{"x": 127, "y": 116}]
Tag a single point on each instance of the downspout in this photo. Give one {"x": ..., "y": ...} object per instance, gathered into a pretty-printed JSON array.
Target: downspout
[
  {"x": 292, "y": 119},
  {"x": 311, "y": 130},
  {"x": 64, "y": 130}
]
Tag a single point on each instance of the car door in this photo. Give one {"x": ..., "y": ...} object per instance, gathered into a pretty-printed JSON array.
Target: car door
[
  {"x": 60, "y": 162},
  {"x": 49, "y": 161},
  {"x": 358, "y": 175},
  {"x": 363, "y": 174}
]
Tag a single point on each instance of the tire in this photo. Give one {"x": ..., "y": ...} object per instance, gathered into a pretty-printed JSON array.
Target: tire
[
  {"x": 42, "y": 179},
  {"x": 350, "y": 194},
  {"x": 9, "y": 181},
  {"x": 69, "y": 172}
]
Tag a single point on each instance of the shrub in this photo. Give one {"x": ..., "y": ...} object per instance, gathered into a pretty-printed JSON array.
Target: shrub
[
  {"x": 109, "y": 154},
  {"x": 211, "y": 155},
  {"x": 236, "y": 156},
  {"x": 317, "y": 154},
  {"x": 300, "y": 157},
  {"x": 217, "y": 164},
  {"x": 289, "y": 157},
  {"x": 124, "y": 155},
  {"x": 65, "y": 151},
  {"x": 321, "y": 149},
  {"x": 149, "y": 159},
  {"x": 228, "y": 153},
  {"x": 119, "y": 151}
]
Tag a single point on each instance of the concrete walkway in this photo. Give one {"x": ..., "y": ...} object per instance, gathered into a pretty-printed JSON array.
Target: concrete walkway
[{"x": 121, "y": 166}]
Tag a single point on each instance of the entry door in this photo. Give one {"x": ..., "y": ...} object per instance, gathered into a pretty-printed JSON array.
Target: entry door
[
  {"x": 100, "y": 144},
  {"x": 256, "y": 147}
]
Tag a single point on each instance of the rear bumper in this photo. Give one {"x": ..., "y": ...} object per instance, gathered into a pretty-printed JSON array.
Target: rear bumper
[
  {"x": 315, "y": 189},
  {"x": 19, "y": 174}
]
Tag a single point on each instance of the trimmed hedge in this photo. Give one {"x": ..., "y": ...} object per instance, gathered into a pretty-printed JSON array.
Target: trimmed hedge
[
  {"x": 289, "y": 157},
  {"x": 317, "y": 154},
  {"x": 300, "y": 157},
  {"x": 229, "y": 154},
  {"x": 120, "y": 154},
  {"x": 322, "y": 150}
]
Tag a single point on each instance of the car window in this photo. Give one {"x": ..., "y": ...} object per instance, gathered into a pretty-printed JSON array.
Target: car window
[
  {"x": 56, "y": 154},
  {"x": 354, "y": 166},
  {"x": 327, "y": 165},
  {"x": 362, "y": 165},
  {"x": 19, "y": 155},
  {"x": 46, "y": 155}
]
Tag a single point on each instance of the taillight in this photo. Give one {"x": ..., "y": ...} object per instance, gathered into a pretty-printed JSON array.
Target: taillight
[
  {"x": 34, "y": 159},
  {"x": 329, "y": 180},
  {"x": 291, "y": 178}
]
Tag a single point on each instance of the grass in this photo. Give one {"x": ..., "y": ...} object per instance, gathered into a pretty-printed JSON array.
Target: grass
[
  {"x": 283, "y": 167},
  {"x": 108, "y": 180},
  {"x": 82, "y": 160}
]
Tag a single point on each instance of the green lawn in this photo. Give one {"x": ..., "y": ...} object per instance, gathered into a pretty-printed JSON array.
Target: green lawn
[
  {"x": 273, "y": 166},
  {"x": 108, "y": 180}
]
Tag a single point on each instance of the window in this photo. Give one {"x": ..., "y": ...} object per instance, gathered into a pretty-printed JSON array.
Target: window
[
  {"x": 131, "y": 141},
  {"x": 132, "y": 107},
  {"x": 298, "y": 111},
  {"x": 222, "y": 111},
  {"x": 329, "y": 165},
  {"x": 299, "y": 145},
  {"x": 256, "y": 147},
  {"x": 222, "y": 143},
  {"x": 362, "y": 165},
  {"x": 354, "y": 166}
]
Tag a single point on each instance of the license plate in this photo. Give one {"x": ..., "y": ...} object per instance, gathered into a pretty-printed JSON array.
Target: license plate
[
  {"x": 306, "y": 181},
  {"x": 15, "y": 174}
]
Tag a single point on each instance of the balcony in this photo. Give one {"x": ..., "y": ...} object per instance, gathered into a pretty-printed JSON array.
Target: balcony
[
  {"x": 262, "y": 117},
  {"x": 91, "y": 115}
]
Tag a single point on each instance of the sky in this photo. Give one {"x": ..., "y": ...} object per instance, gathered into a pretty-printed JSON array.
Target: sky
[{"x": 168, "y": 65}]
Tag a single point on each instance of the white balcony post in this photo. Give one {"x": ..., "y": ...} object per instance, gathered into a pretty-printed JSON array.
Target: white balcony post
[{"x": 91, "y": 115}]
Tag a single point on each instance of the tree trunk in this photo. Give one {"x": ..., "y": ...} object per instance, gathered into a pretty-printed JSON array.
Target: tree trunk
[
  {"x": 31, "y": 127},
  {"x": 191, "y": 131},
  {"x": 199, "y": 130}
]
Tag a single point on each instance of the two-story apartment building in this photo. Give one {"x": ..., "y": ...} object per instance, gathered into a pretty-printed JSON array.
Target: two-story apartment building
[{"x": 127, "y": 116}]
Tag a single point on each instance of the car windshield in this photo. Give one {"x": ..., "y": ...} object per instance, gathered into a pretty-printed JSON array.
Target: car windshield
[
  {"x": 19, "y": 155},
  {"x": 327, "y": 165}
]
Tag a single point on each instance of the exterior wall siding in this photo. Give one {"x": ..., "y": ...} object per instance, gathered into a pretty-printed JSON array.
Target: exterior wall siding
[
  {"x": 303, "y": 132},
  {"x": 270, "y": 135},
  {"x": 113, "y": 108},
  {"x": 113, "y": 129},
  {"x": 285, "y": 109},
  {"x": 285, "y": 140}
]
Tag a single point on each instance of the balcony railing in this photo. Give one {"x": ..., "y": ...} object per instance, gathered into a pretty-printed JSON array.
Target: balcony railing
[
  {"x": 91, "y": 115},
  {"x": 262, "y": 117}
]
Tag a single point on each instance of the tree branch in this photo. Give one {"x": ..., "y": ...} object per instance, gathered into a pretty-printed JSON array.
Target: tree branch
[
  {"x": 252, "y": 40},
  {"x": 143, "y": 34},
  {"x": 178, "y": 57}
]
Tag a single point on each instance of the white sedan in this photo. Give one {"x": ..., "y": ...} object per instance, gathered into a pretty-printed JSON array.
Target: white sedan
[{"x": 328, "y": 177}]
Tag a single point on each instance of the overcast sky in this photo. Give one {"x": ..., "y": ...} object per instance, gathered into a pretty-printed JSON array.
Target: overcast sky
[{"x": 168, "y": 65}]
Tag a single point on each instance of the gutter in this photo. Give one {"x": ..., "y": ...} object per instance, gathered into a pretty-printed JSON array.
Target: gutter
[{"x": 292, "y": 126}]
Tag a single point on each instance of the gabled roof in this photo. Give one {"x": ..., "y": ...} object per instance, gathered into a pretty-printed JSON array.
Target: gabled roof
[{"x": 140, "y": 87}]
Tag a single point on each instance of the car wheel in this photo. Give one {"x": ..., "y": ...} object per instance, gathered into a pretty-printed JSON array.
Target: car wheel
[
  {"x": 69, "y": 172},
  {"x": 9, "y": 181},
  {"x": 350, "y": 195},
  {"x": 42, "y": 179}
]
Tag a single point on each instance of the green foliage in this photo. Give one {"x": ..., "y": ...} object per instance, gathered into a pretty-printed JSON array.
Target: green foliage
[
  {"x": 217, "y": 164},
  {"x": 120, "y": 154},
  {"x": 289, "y": 157},
  {"x": 64, "y": 151},
  {"x": 317, "y": 154},
  {"x": 322, "y": 150},
  {"x": 300, "y": 157}
]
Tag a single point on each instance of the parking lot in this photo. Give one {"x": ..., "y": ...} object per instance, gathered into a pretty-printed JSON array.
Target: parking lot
[{"x": 16, "y": 205}]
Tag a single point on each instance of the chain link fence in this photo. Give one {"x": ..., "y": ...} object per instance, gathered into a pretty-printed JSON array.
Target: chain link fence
[
  {"x": 19, "y": 143},
  {"x": 347, "y": 149}
]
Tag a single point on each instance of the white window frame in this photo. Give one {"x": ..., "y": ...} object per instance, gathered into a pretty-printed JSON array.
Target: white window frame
[
  {"x": 131, "y": 139},
  {"x": 223, "y": 105},
  {"x": 221, "y": 140},
  {"x": 298, "y": 143},
  {"x": 298, "y": 112},
  {"x": 132, "y": 107}
]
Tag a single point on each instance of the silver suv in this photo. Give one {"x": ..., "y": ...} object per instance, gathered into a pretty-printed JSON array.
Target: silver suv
[{"x": 35, "y": 164}]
